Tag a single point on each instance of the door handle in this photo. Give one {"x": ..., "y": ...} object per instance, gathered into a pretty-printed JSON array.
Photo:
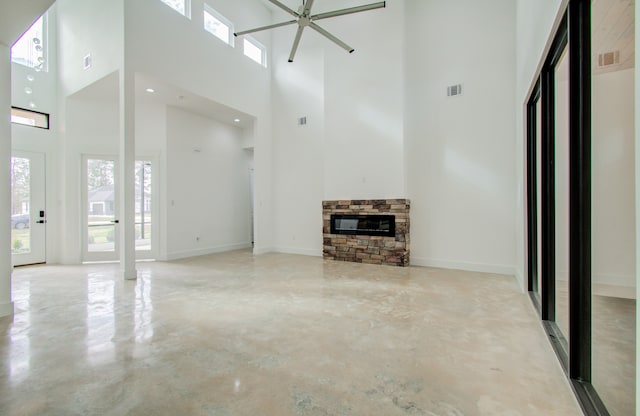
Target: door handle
[
  {"x": 115, "y": 222},
  {"x": 41, "y": 222}
]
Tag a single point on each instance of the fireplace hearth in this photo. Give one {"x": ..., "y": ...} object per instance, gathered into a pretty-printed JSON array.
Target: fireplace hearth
[{"x": 367, "y": 231}]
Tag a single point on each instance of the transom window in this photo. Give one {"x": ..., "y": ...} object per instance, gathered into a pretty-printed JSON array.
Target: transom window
[
  {"x": 218, "y": 25},
  {"x": 30, "y": 49},
  {"x": 255, "y": 50},
  {"x": 29, "y": 118},
  {"x": 181, "y": 6}
]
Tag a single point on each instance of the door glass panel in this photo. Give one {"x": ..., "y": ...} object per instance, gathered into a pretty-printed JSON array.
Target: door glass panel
[
  {"x": 20, "y": 205},
  {"x": 101, "y": 230},
  {"x": 561, "y": 167},
  {"x": 143, "y": 205},
  {"x": 613, "y": 307}
]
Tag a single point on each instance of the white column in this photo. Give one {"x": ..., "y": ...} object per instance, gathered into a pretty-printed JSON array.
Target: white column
[
  {"x": 6, "y": 306},
  {"x": 127, "y": 172},
  {"x": 637, "y": 86}
]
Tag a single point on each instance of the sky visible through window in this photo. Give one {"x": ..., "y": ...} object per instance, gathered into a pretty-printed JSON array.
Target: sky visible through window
[
  {"x": 253, "y": 51},
  {"x": 29, "y": 49},
  {"x": 215, "y": 26},
  {"x": 177, "y": 5}
]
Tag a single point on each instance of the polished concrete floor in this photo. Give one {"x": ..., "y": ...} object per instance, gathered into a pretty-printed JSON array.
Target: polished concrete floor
[
  {"x": 613, "y": 348},
  {"x": 233, "y": 334}
]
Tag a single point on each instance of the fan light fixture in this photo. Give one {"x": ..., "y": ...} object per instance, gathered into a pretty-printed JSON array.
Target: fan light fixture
[{"x": 304, "y": 18}]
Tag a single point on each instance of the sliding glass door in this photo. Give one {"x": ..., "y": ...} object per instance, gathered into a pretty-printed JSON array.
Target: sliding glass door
[{"x": 580, "y": 203}]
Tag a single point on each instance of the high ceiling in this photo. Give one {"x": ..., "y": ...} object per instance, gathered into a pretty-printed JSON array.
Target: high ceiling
[
  {"x": 17, "y": 16},
  {"x": 107, "y": 89},
  {"x": 613, "y": 31}
]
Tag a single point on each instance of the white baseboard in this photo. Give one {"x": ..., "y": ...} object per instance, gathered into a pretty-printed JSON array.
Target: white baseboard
[
  {"x": 614, "y": 291},
  {"x": 461, "y": 265},
  {"x": 6, "y": 309},
  {"x": 301, "y": 251},
  {"x": 262, "y": 250},
  {"x": 176, "y": 255}
]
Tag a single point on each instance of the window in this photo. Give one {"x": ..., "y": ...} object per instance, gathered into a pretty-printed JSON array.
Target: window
[
  {"x": 181, "y": 6},
  {"x": 218, "y": 25},
  {"x": 29, "y": 118},
  {"x": 30, "y": 49},
  {"x": 255, "y": 50}
]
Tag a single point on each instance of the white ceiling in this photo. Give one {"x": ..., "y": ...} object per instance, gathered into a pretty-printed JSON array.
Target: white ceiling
[
  {"x": 17, "y": 16},
  {"x": 107, "y": 89},
  {"x": 613, "y": 29}
]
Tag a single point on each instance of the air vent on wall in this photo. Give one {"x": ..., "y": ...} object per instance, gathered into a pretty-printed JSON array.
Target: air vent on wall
[
  {"x": 453, "y": 90},
  {"x": 609, "y": 58},
  {"x": 86, "y": 61}
]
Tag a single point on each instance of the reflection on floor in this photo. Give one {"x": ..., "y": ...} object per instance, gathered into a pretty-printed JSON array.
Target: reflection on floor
[
  {"x": 614, "y": 353},
  {"x": 233, "y": 334},
  {"x": 614, "y": 348}
]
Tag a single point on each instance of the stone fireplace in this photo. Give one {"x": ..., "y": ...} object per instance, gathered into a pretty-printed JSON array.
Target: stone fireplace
[{"x": 373, "y": 231}]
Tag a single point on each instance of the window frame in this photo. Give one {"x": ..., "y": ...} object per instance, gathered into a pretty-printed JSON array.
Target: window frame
[
  {"x": 45, "y": 48},
  {"x": 46, "y": 116},
  {"x": 217, "y": 15},
  {"x": 187, "y": 8},
  {"x": 258, "y": 45}
]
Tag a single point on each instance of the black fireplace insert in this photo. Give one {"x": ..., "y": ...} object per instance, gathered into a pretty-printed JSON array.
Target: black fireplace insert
[{"x": 380, "y": 225}]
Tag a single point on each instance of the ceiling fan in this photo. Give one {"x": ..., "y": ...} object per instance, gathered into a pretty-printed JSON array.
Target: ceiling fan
[{"x": 304, "y": 18}]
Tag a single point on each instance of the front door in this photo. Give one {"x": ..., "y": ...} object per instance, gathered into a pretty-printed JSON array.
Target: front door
[{"x": 28, "y": 212}]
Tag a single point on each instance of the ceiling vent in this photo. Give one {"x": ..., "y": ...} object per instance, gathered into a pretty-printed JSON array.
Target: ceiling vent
[{"x": 608, "y": 58}]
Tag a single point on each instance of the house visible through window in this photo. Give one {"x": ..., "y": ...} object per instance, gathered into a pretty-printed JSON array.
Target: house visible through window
[
  {"x": 255, "y": 50},
  {"x": 30, "y": 49},
  {"x": 181, "y": 6},
  {"x": 218, "y": 25}
]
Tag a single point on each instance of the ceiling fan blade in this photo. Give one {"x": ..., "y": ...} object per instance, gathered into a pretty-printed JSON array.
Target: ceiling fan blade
[
  {"x": 349, "y": 10},
  {"x": 296, "y": 42},
  {"x": 245, "y": 32},
  {"x": 285, "y": 8},
  {"x": 331, "y": 37},
  {"x": 307, "y": 7}
]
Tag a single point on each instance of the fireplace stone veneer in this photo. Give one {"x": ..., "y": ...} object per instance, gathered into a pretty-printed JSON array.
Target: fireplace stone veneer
[{"x": 367, "y": 248}]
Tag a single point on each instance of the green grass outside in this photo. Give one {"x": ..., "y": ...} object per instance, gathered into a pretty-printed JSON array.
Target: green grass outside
[{"x": 20, "y": 241}]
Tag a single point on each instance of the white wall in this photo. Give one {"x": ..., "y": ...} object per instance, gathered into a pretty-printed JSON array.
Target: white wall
[
  {"x": 88, "y": 27},
  {"x": 190, "y": 60},
  {"x": 207, "y": 186},
  {"x": 151, "y": 142},
  {"x": 45, "y": 96},
  {"x": 6, "y": 306},
  {"x": 352, "y": 144},
  {"x": 298, "y": 91},
  {"x": 203, "y": 65},
  {"x": 92, "y": 128},
  {"x": 364, "y": 104},
  {"x": 461, "y": 173},
  {"x": 535, "y": 22}
]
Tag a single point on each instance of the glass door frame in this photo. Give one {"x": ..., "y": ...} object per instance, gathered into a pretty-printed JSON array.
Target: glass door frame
[
  {"x": 37, "y": 209},
  {"x": 152, "y": 253},
  {"x": 104, "y": 256},
  {"x": 575, "y": 352}
]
